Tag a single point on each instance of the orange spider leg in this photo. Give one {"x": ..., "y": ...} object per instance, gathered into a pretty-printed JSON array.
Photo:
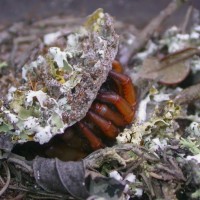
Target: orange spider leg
[
  {"x": 94, "y": 141},
  {"x": 106, "y": 126},
  {"x": 128, "y": 89},
  {"x": 105, "y": 112},
  {"x": 121, "y": 104},
  {"x": 116, "y": 66}
]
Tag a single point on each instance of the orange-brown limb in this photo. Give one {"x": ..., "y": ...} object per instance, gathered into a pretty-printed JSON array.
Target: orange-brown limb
[
  {"x": 105, "y": 112},
  {"x": 116, "y": 66},
  {"x": 94, "y": 141},
  {"x": 129, "y": 91},
  {"x": 107, "y": 127},
  {"x": 121, "y": 104}
]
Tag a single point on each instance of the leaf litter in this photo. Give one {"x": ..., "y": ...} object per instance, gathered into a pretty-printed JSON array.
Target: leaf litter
[{"x": 157, "y": 157}]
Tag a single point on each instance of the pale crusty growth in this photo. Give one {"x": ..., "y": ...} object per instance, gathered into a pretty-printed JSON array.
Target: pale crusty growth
[{"x": 64, "y": 83}]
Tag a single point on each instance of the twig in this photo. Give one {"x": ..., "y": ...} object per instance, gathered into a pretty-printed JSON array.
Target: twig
[
  {"x": 22, "y": 164},
  {"x": 150, "y": 156},
  {"x": 187, "y": 19},
  {"x": 26, "y": 56},
  {"x": 8, "y": 179},
  {"x": 12, "y": 55},
  {"x": 57, "y": 21},
  {"x": 195, "y": 118},
  {"x": 133, "y": 166},
  {"x": 188, "y": 95},
  {"x": 42, "y": 194},
  {"x": 2, "y": 181},
  {"x": 138, "y": 150},
  {"x": 148, "y": 31},
  {"x": 148, "y": 183},
  {"x": 179, "y": 173},
  {"x": 166, "y": 169},
  {"x": 12, "y": 187},
  {"x": 156, "y": 176},
  {"x": 33, "y": 196}
]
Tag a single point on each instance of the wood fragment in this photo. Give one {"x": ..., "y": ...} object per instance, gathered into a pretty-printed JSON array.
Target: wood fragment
[
  {"x": 188, "y": 95},
  {"x": 26, "y": 56},
  {"x": 156, "y": 176},
  {"x": 23, "y": 165},
  {"x": 57, "y": 21},
  {"x": 186, "y": 20},
  {"x": 8, "y": 179}
]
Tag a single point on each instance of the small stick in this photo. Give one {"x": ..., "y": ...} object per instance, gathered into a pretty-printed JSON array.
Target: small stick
[
  {"x": 188, "y": 95},
  {"x": 187, "y": 19},
  {"x": 156, "y": 176},
  {"x": 133, "y": 167},
  {"x": 26, "y": 56},
  {"x": 57, "y": 21},
  {"x": 2, "y": 181},
  {"x": 22, "y": 164},
  {"x": 147, "y": 181},
  {"x": 8, "y": 179}
]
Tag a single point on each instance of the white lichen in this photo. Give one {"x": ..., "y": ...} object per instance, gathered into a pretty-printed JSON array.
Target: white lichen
[
  {"x": 163, "y": 126},
  {"x": 141, "y": 113},
  {"x": 11, "y": 117},
  {"x": 33, "y": 65},
  {"x": 195, "y": 64},
  {"x": 151, "y": 48},
  {"x": 194, "y": 129},
  {"x": 40, "y": 95},
  {"x": 138, "y": 192},
  {"x": 130, "y": 178},
  {"x": 158, "y": 144},
  {"x": 176, "y": 41},
  {"x": 43, "y": 134},
  {"x": 30, "y": 123},
  {"x": 50, "y": 38},
  {"x": 11, "y": 90},
  {"x": 195, "y": 158},
  {"x": 115, "y": 174},
  {"x": 60, "y": 57}
]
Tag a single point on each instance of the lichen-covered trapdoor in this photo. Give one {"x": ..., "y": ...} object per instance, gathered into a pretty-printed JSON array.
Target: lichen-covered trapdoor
[{"x": 61, "y": 84}]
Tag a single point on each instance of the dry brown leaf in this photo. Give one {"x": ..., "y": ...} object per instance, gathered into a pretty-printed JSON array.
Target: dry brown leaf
[{"x": 170, "y": 70}]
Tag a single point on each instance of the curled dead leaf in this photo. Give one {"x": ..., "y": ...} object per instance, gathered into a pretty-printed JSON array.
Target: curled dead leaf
[
  {"x": 63, "y": 177},
  {"x": 74, "y": 178}
]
